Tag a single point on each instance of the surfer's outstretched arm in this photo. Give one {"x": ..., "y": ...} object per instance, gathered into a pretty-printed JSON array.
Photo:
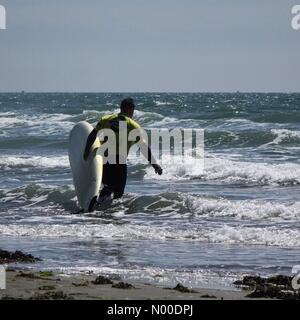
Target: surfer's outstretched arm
[
  {"x": 90, "y": 141},
  {"x": 158, "y": 169}
]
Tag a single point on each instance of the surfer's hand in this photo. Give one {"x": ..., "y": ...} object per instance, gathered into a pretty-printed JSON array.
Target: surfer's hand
[
  {"x": 157, "y": 169},
  {"x": 86, "y": 155}
]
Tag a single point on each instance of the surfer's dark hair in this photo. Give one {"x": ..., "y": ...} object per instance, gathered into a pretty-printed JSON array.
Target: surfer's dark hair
[{"x": 127, "y": 103}]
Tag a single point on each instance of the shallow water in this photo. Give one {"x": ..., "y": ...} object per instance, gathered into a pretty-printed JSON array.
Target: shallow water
[{"x": 241, "y": 215}]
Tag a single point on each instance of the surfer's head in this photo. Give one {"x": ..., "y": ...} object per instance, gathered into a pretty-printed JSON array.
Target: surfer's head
[{"x": 127, "y": 107}]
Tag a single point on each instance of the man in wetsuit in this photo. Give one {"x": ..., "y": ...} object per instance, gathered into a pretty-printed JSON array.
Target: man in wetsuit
[{"x": 115, "y": 173}]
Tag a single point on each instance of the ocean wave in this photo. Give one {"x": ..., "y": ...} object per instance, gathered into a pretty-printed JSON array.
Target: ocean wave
[
  {"x": 237, "y": 124},
  {"x": 92, "y": 115},
  {"x": 241, "y": 209},
  {"x": 162, "y": 103},
  {"x": 172, "y": 204},
  {"x": 28, "y": 161},
  {"x": 153, "y": 119},
  {"x": 285, "y": 136},
  {"x": 177, "y": 205},
  {"x": 37, "y": 200},
  {"x": 281, "y": 137},
  {"x": 227, "y": 171},
  {"x": 225, "y": 131},
  {"x": 34, "y": 191},
  {"x": 36, "y": 125},
  {"x": 269, "y": 236},
  {"x": 144, "y": 118}
]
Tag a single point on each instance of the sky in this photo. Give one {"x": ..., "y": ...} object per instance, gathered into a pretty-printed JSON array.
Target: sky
[{"x": 153, "y": 46}]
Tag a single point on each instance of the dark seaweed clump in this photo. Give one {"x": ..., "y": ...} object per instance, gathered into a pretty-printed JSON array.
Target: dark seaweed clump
[
  {"x": 102, "y": 280},
  {"x": 17, "y": 256},
  {"x": 51, "y": 295},
  {"x": 276, "y": 287},
  {"x": 123, "y": 285},
  {"x": 181, "y": 288}
]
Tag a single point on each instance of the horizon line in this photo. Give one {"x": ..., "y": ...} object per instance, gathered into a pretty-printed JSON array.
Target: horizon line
[{"x": 137, "y": 92}]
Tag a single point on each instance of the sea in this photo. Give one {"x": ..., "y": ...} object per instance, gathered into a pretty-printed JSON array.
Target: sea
[{"x": 240, "y": 215}]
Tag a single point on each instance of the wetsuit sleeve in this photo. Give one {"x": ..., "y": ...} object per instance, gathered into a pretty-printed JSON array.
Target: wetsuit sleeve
[{"x": 133, "y": 125}]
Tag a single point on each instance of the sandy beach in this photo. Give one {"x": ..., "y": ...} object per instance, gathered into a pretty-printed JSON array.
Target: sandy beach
[
  {"x": 30, "y": 283},
  {"x": 40, "y": 285},
  {"x": 33, "y": 284}
]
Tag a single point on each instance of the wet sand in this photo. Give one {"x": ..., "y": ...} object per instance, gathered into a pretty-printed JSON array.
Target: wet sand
[{"x": 25, "y": 283}]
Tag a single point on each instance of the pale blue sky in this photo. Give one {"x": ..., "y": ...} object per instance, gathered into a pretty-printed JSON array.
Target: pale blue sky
[{"x": 143, "y": 45}]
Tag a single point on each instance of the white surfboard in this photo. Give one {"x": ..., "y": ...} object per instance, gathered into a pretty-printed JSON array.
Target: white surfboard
[{"x": 87, "y": 175}]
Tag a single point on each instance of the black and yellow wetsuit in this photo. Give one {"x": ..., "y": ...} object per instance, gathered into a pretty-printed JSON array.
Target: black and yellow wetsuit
[{"x": 115, "y": 174}]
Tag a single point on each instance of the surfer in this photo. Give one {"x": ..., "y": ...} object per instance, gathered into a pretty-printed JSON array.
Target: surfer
[{"x": 115, "y": 173}]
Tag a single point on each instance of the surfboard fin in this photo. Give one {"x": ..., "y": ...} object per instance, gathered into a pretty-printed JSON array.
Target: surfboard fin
[{"x": 92, "y": 204}]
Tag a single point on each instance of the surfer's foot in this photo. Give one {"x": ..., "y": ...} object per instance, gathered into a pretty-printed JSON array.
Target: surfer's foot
[
  {"x": 79, "y": 211},
  {"x": 104, "y": 198}
]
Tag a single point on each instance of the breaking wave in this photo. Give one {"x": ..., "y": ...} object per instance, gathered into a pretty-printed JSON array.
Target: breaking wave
[
  {"x": 269, "y": 236},
  {"x": 228, "y": 171}
]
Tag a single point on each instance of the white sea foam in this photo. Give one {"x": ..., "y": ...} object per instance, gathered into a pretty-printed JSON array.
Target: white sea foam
[
  {"x": 37, "y": 124},
  {"x": 242, "y": 209},
  {"x": 197, "y": 278},
  {"x": 228, "y": 171},
  {"x": 238, "y": 124},
  {"x": 270, "y": 236},
  {"x": 285, "y": 134},
  {"x": 162, "y": 103},
  {"x": 251, "y": 172},
  {"x": 144, "y": 118},
  {"x": 92, "y": 114},
  {"x": 58, "y": 123},
  {"x": 8, "y": 162},
  {"x": 152, "y": 119}
]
